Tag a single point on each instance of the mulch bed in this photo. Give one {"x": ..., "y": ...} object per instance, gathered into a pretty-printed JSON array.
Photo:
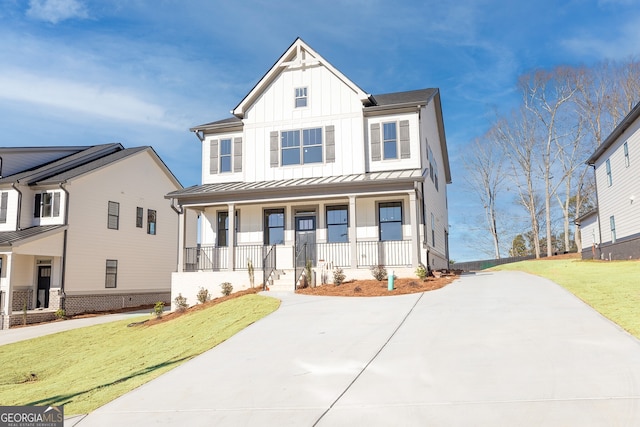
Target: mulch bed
[{"x": 374, "y": 288}]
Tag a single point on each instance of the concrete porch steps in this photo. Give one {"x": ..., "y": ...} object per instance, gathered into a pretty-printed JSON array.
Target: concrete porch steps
[{"x": 282, "y": 281}]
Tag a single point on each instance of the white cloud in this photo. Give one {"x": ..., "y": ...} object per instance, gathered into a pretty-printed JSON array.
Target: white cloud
[
  {"x": 84, "y": 98},
  {"x": 55, "y": 11}
]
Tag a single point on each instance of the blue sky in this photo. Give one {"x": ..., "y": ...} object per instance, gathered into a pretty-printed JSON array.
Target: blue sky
[{"x": 141, "y": 72}]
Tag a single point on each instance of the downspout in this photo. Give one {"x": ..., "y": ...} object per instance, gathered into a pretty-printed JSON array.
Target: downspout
[
  {"x": 13, "y": 184},
  {"x": 64, "y": 246},
  {"x": 179, "y": 210},
  {"x": 595, "y": 180}
]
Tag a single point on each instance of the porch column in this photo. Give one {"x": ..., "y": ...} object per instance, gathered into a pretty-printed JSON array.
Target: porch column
[
  {"x": 415, "y": 229},
  {"x": 7, "y": 300},
  {"x": 353, "y": 245},
  {"x": 231, "y": 243},
  {"x": 182, "y": 223}
]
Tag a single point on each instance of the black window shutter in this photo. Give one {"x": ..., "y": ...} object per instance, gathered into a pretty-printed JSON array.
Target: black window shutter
[
  {"x": 36, "y": 208},
  {"x": 237, "y": 154},
  {"x": 375, "y": 141}
]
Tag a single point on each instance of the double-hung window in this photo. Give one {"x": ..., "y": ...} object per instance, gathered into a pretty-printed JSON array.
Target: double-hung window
[
  {"x": 225, "y": 155},
  {"x": 139, "y": 217},
  {"x": 113, "y": 215},
  {"x": 337, "y": 224},
  {"x": 47, "y": 205},
  {"x": 301, "y": 97},
  {"x": 4, "y": 196},
  {"x": 609, "y": 177},
  {"x": 389, "y": 141},
  {"x": 390, "y": 217},
  {"x": 151, "y": 221},
  {"x": 111, "y": 276},
  {"x": 291, "y": 140},
  {"x": 274, "y": 227},
  {"x": 223, "y": 227},
  {"x": 626, "y": 154}
]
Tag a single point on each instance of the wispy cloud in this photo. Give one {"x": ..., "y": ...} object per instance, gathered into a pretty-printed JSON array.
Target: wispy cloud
[{"x": 55, "y": 11}]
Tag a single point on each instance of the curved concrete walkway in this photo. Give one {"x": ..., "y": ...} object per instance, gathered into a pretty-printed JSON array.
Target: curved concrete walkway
[{"x": 491, "y": 349}]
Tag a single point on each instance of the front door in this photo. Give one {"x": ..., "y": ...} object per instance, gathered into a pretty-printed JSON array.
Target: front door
[
  {"x": 44, "y": 284},
  {"x": 305, "y": 233}
]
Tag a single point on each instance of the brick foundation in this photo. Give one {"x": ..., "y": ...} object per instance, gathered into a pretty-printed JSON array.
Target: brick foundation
[
  {"x": 77, "y": 304},
  {"x": 21, "y": 297},
  {"x": 16, "y": 319}
]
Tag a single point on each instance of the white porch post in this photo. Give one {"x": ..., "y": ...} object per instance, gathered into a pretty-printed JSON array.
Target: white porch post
[
  {"x": 7, "y": 301},
  {"x": 231, "y": 242},
  {"x": 182, "y": 223},
  {"x": 415, "y": 229},
  {"x": 352, "y": 232}
]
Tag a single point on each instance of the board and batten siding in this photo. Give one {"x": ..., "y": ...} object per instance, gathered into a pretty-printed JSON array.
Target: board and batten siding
[
  {"x": 145, "y": 261},
  {"x": 408, "y": 145},
  {"x": 616, "y": 200}
]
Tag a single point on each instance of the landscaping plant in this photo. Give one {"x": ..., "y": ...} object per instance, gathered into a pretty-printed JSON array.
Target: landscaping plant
[
  {"x": 379, "y": 272},
  {"x": 181, "y": 303},
  {"x": 203, "y": 295},
  {"x": 227, "y": 288},
  {"x": 338, "y": 276}
]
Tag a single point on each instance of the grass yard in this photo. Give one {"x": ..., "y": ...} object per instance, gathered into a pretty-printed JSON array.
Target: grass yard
[
  {"x": 610, "y": 287},
  {"x": 85, "y": 368}
]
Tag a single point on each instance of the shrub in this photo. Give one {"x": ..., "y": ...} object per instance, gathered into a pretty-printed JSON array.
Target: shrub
[
  {"x": 379, "y": 272},
  {"x": 227, "y": 288},
  {"x": 357, "y": 289},
  {"x": 60, "y": 314},
  {"x": 203, "y": 295},
  {"x": 338, "y": 276},
  {"x": 158, "y": 308},
  {"x": 181, "y": 303},
  {"x": 422, "y": 272}
]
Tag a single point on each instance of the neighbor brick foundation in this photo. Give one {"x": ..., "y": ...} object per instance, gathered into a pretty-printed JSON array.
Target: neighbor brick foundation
[{"x": 76, "y": 304}]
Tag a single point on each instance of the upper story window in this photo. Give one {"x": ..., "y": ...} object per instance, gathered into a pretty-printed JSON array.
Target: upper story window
[
  {"x": 390, "y": 215},
  {"x": 47, "y": 205},
  {"x": 139, "y": 217},
  {"x": 626, "y": 154},
  {"x": 301, "y": 97},
  {"x": 337, "y": 224},
  {"x": 151, "y": 221},
  {"x": 609, "y": 177},
  {"x": 113, "y": 213},
  {"x": 4, "y": 196},
  {"x": 311, "y": 146},
  {"x": 225, "y": 155},
  {"x": 389, "y": 141}
]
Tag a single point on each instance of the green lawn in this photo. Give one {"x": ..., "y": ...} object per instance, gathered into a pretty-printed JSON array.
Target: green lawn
[
  {"x": 85, "y": 368},
  {"x": 610, "y": 287}
]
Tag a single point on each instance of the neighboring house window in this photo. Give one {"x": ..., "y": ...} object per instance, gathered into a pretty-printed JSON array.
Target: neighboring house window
[
  {"x": 612, "y": 223},
  {"x": 432, "y": 165},
  {"x": 111, "y": 277},
  {"x": 274, "y": 227},
  {"x": 47, "y": 205},
  {"x": 4, "y": 196},
  {"x": 626, "y": 154},
  {"x": 435, "y": 177},
  {"x": 390, "y": 215},
  {"x": 223, "y": 227},
  {"x": 139, "y": 217},
  {"x": 337, "y": 224},
  {"x": 151, "y": 221},
  {"x": 225, "y": 155},
  {"x": 609, "y": 178},
  {"x": 301, "y": 97},
  {"x": 389, "y": 141},
  {"x": 311, "y": 146},
  {"x": 113, "y": 215},
  {"x": 433, "y": 230}
]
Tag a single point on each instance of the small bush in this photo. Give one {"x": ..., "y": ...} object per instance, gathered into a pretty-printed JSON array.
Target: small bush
[
  {"x": 158, "y": 309},
  {"x": 338, "y": 276},
  {"x": 60, "y": 314},
  {"x": 227, "y": 288},
  {"x": 181, "y": 303},
  {"x": 414, "y": 284},
  {"x": 422, "y": 272},
  {"x": 357, "y": 289},
  {"x": 379, "y": 272},
  {"x": 203, "y": 295}
]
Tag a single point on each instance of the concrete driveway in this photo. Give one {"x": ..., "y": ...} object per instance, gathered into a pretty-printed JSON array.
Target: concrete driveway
[{"x": 491, "y": 349}]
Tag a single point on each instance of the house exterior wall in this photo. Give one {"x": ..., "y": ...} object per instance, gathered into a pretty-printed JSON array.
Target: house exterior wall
[
  {"x": 621, "y": 198},
  {"x": 12, "y": 210},
  {"x": 590, "y": 235},
  {"x": 145, "y": 261}
]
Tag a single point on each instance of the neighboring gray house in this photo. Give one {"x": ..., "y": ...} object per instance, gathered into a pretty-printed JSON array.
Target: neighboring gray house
[
  {"x": 617, "y": 171},
  {"x": 84, "y": 229}
]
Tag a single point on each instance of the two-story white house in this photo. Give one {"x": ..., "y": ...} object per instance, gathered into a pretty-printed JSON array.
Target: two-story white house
[
  {"x": 311, "y": 167},
  {"x": 615, "y": 226},
  {"x": 84, "y": 229}
]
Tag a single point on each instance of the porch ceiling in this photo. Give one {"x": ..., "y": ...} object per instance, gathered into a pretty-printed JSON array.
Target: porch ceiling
[{"x": 365, "y": 183}]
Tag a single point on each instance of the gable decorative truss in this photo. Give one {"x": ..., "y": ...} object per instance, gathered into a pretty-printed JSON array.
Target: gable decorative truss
[{"x": 298, "y": 56}]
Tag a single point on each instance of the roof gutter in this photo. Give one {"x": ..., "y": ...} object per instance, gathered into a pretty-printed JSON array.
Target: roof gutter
[{"x": 176, "y": 209}]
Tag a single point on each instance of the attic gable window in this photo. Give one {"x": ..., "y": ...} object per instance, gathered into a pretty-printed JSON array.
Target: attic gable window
[{"x": 301, "y": 97}]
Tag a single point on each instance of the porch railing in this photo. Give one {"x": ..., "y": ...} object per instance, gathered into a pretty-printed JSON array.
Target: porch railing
[
  {"x": 393, "y": 253},
  {"x": 269, "y": 266},
  {"x": 336, "y": 254},
  {"x": 207, "y": 258}
]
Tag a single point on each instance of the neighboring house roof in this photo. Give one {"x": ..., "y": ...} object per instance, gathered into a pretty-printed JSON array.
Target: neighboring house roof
[
  {"x": 305, "y": 185},
  {"x": 81, "y": 163},
  {"x": 585, "y": 216},
  {"x": 10, "y": 238},
  {"x": 619, "y": 130}
]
